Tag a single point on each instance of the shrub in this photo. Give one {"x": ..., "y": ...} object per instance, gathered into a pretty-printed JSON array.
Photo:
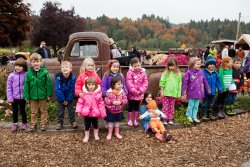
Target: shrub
[{"x": 3, "y": 80}]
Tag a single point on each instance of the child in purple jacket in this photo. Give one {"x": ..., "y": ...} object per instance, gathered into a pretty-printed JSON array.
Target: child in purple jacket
[
  {"x": 194, "y": 85},
  {"x": 14, "y": 91}
]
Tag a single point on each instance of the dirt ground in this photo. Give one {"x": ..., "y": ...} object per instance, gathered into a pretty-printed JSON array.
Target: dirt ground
[{"x": 217, "y": 143}]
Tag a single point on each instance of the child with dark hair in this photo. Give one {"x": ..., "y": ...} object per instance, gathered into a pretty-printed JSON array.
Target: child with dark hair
[
  {"x": 14, "y": 91},
  {"x": 137, "y": 84},
  {"x": 115, "y": 100},
  {"x": 238, "y": 78}
]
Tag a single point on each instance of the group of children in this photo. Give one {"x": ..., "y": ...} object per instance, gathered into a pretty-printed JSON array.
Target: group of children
[{"x": 106, "y": 98}]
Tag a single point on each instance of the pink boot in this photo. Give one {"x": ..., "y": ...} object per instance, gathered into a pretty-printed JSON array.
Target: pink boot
[
  {"x": 86, "y": 137},
  {"x": 110, "y": 131},
  {"x": 96, "y": 134},
  {"x": 117, "y": 132},
  {"x": 136, "y": 114},
  {"x": 130, "y": 119}
]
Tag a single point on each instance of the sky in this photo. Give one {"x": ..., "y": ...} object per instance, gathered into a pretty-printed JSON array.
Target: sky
[{"x": 177, "y": 11}]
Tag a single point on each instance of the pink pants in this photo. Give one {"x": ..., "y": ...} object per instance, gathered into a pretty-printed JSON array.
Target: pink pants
[{"x": 168, "y": 107}]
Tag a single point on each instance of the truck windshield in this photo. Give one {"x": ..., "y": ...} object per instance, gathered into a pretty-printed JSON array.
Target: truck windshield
[{"x": 84, "y": 49}]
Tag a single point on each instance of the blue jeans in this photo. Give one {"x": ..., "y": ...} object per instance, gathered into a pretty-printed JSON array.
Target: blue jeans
[
  {"x": 192, "y": 108},
  {"x": 230, "y": 99},
  {"x": 60, "y": 113},
  {"x": 207, "y": 103}
]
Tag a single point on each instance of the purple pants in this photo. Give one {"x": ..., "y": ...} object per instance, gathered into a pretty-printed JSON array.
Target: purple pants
[{"x": 168, "y": 107}]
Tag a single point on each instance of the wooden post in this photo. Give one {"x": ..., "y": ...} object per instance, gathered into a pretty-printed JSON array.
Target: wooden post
[{"x": 238, "y": 27}]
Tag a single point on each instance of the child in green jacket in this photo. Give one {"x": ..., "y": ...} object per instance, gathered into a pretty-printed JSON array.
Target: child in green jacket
[{"x": 37, "y": 90}]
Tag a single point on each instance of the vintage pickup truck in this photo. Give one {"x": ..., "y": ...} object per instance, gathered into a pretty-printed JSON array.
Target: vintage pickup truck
[{"x": 96, "y": 45}]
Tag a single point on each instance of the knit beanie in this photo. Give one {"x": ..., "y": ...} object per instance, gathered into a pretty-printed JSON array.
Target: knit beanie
[
  {"x": 152, "y": 105},
  {"x": 210, "y": 60}
]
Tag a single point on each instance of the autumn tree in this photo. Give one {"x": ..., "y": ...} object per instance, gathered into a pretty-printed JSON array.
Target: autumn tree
[
  {"x": 14, "y": 22},
  {"x": 55, "y": 25}
]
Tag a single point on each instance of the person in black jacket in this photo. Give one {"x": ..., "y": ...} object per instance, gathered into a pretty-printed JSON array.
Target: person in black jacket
[
  {"x": 43, "y": 51},
  {"x": 135, "y": 53},
  {"x": 231, "y": 52}
]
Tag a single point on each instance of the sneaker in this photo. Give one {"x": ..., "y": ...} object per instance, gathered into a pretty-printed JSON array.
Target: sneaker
[
  {"x": 196, "y": 120},
  {"x": 43, "y": 128},
  {"x": 190, "y": 119},
  {"x": 170, "y": 122},
  {"x": 14, "y": 127},
  {"x": 204, "y": 117},
  {"x": 59, "y": 126},
  {"x": 32, "y": 128},
  {"x": 165, "y": 123},
  {"x": 230, "y": 112},
  {"x": 211, "y": 116},
  {"x": 24, "y": 126},
  {"x": 74, "y": 125}
]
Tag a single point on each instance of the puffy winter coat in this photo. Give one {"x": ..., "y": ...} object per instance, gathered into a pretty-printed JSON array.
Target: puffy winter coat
[
  {"x": 15, "y": 86},
  {"x": 106, "y": 83},
  {"x": 194, "y": 84},
  {"x": 64, "y": 87},
  {"x": 80, "y": 82},
  {"x": 213, "y": 80},
  {"x": 247, "y": 64},
  {"x": 111, "y": 97},
  {"x": 37, "y": 85},
  {"x": 137, "y": 83},
  {"x": 91, "y": 104}
]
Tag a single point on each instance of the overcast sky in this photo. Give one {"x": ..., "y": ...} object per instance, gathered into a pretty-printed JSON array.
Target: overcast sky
[{"x": 178, "y": 11}]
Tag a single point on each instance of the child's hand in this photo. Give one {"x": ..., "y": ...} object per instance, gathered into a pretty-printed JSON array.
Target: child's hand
[
  {"x": 78, "y": 114},
  {"x": 161, "y": 93},
  {"x": 10, "y": 101},
  {"x": 27, "y": 101},
  {"x": 48, "y": 98},
  {"x": 81, "y": 94},
  {"x": 65, "y": 103},
  {"x": 140, "y": 117}
]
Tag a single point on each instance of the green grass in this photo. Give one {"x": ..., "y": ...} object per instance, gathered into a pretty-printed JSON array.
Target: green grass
[{"x": 243, "y": 102}]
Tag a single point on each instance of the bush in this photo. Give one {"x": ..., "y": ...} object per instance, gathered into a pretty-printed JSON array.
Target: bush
[{"x": 3, "y": 80}]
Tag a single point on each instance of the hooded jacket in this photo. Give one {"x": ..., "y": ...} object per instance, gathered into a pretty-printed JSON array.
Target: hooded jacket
[
  {"x": 137, "y": 83},
  {"x": 213, "y": 80},
  {"x": 111, "y": 97},
  {"x": 15, "y": 85},
  {"x": 195, "y": 84},
  {"x": 37, "y": 85},
  {"x": 80, "y": 82},
  {"x": 91, "y": 104},
  {"x": 64, "y": 87}
]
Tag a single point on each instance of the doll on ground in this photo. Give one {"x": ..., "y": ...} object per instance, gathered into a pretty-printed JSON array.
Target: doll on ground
[{"x": 90, "y": 105}]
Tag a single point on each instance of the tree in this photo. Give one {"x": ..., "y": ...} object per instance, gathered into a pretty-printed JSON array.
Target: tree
[
  {"x": 14, "y": 22},
  {"x": 55, "y": 25}
]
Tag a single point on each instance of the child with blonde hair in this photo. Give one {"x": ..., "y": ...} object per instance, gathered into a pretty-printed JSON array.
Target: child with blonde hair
[
  {"x": 170, "y": 84},
  {"x": 87, "y": 70},
  {"x": 194, "y": 86},
  {"x": 137, "y": 84},
  {"x": 65, "y": 90},
  {"x": 90, "y": 105},
  {"x": 37, "y": 90},
  {"x": 14, "y": 91}
]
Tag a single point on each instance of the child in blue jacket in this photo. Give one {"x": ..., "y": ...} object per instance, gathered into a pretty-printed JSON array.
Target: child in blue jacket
[
  {"x": 65, "y": 90},
  {"x": 214, "y": 82}
]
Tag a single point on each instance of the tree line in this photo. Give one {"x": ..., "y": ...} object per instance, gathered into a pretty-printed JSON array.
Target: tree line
[{"x": 54, "y": 25}]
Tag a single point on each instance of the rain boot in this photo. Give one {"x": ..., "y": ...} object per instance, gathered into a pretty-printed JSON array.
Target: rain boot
[
  {"x": 96, "y": 134},
  {"x": 117, "y": 132},
  {"x": 228, "y": 110},
  {"x": 221, "y": 113},
  {"x": 232, "y": 109},
  {"x": 110, "y": 131},
  {"x": 86, "y": 137},
  {"x": 130, "y": 114},
  {"x": 136, "y": 114}
]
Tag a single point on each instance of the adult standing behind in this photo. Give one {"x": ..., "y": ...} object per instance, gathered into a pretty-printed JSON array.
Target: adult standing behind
[
  {"x": 213, "y": 51},
  {"x": 135, "y": 53},
  {"x": 224, "y": 52},
  {"x": 206, "y": 53},
  {"x": 240, "y": 53},
  {"x": 231, "y": 52},
  {"x": 43, "y": 51},
  {"x": 247, "y": 65}
]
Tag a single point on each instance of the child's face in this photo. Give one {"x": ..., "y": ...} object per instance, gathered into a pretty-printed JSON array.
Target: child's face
[
  {"x": 115, "y": 68},
  {"x": 151, "y": 110},
  {"x": 148, "y": 98},
  {"x": 90, "y": 67},
  {"x": 66, "y": 69},
  {"x": 18, "y": 68},
  {"x": 171, "y": 67},
  {"x": 197, "y": 65},
  {"x": 118, "y": 86},
  {"x": 211, "y": 67},
  {"x": 136, "y": 66},
  {"x": 91, "y": 87},
  {"x": 36, "y": 64},
  {"x": 237, "y": 65}
]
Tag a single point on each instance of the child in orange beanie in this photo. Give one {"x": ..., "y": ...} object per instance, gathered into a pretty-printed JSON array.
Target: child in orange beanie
[{"x": 155, "y": 123}]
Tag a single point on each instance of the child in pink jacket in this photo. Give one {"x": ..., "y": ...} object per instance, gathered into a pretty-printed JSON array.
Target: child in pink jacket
[
  {"x": 137, "y": 84},
  {"x": 90, "y": 105},
  {"x": 115, "y": 100}
]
